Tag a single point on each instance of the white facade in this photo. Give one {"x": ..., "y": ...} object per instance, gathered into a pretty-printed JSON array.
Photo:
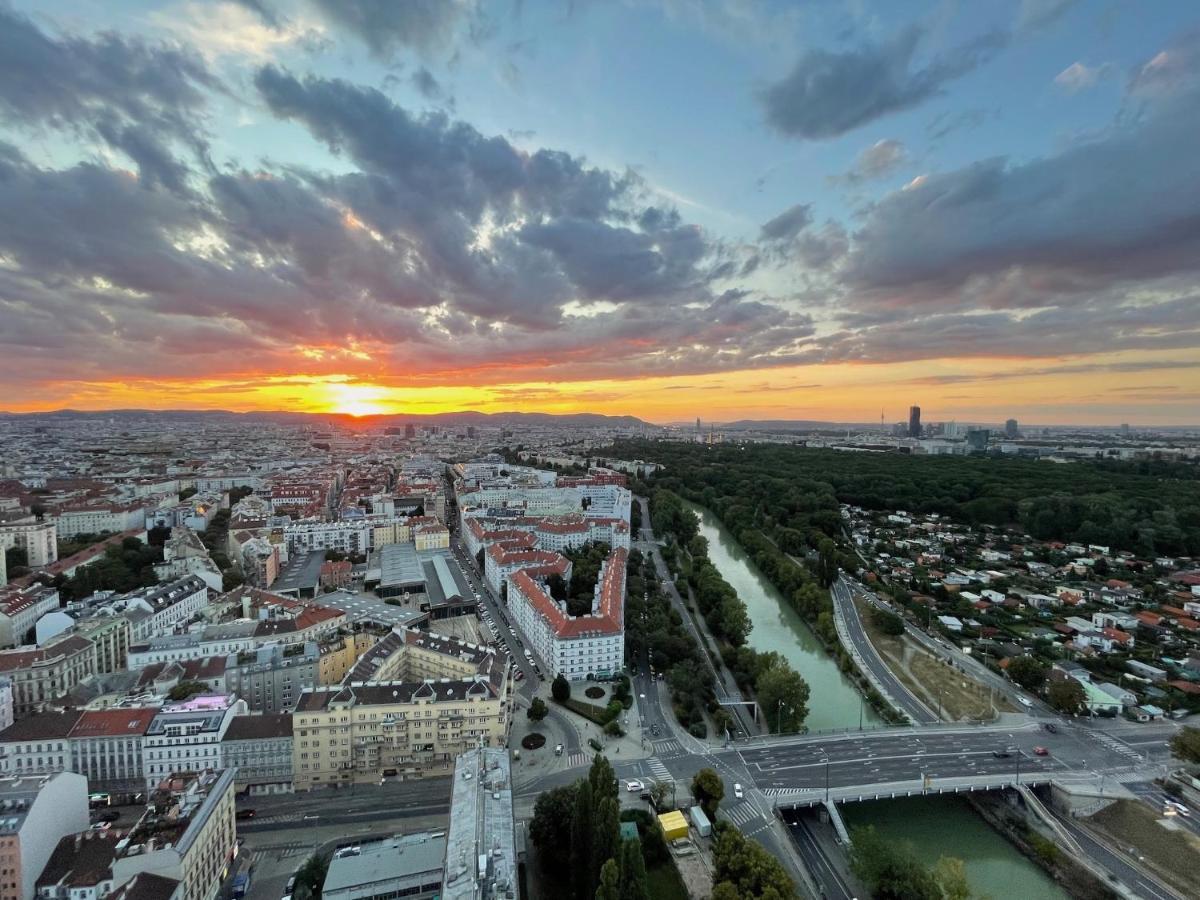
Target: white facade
[
  {"x": 94, "y": 520},
  {"x": 38, "y": 814},
  {"x": 345, "y": 537},
  {"x": 186, "y": 737},
  {"x": 38, "y": 539},
  {"x": 168, "y": 604}
]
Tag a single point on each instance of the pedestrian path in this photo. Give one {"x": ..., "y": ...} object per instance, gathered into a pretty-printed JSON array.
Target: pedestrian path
[
  {"x": 668, "y": 748},
  {"x": 1116, "y": 745},
  {"x": 742, "y": 814},
  {"x": 578, "y": 758},
  {"x": 658, "y": 770}
]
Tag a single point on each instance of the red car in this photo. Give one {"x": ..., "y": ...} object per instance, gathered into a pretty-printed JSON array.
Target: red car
[{"x": 1040, "y": 751}]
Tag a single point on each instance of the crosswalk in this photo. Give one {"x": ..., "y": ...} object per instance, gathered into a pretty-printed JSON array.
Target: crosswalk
[
  {"x": 742, "y": 814},
  {"x": 781, "y": 792},
  {"x": 658, "y": 770},
  {"x": 1116, "y": 745},
  {"x": 578, "y": 758},
  {"x": 667, "y": 748}
]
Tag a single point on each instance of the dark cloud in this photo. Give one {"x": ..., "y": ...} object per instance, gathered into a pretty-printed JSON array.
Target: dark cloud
[
  {"x": 389, "y": 26},
  {"x": 136, "y": 96},
  {"x": 1061, "y": 224},
  {"x": 788, "y": 224},
  {"x": 830, "y": 93}
]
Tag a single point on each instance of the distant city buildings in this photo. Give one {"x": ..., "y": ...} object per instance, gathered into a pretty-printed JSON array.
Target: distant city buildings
[{"x": 914, "y": 421}]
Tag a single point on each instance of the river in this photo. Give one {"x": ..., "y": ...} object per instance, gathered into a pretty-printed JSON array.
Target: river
[{"x": 935, "y": 826}]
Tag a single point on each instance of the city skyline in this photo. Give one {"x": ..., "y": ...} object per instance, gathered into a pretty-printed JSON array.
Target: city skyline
[{"x": 741, "y": 210}]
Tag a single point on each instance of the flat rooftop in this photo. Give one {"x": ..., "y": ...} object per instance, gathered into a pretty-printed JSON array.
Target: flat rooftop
[
  {"x": 303, "y": 572},
  {"x": 481, "y": 857},
  {"x": 354, "y": 871}
]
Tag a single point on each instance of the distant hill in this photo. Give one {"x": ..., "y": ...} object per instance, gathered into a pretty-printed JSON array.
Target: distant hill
[{"x": 464, "y": 417}]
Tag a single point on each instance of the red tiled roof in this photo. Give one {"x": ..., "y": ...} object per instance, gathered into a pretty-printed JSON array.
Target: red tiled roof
[
  {"x": 99, "y": 723},
  {"x": 611, "y": 592}
]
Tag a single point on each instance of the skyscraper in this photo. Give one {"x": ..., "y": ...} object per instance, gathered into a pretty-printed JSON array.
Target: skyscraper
[
  {"x": 1010, "y": 428},
  {"x": 914, "y": 421}
]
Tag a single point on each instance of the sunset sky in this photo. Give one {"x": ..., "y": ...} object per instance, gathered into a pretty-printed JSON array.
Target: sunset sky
[{"x": 665, "y": 208}]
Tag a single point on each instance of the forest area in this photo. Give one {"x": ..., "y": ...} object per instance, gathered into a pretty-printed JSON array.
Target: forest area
[{"x": 792, "y": 493}]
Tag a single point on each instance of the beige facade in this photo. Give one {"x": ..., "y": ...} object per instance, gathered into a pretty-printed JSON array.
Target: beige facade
[
  {"x": 110, "y": 636},
  {"x": 48, "y": 672},
  {"x": 338, "y": 658},
  {"x": 428, "y": 699}
]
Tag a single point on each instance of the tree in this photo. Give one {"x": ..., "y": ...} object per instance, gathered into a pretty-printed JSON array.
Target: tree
[
  {"x": 748, "y": 867},
  {"x": 552, "y": 815},
  {"x": 950, "y": 873},
  {"x": 557, "y": 586},
  {"x": 581, "y": 841},
  {"x": 782, "y": 694},
  {"x": 602, "y": 779},
  {"x": 890, "y": 871},
  {"x": 606, "y": 835},
  {"x": 633, "y": 872},
  {"x": 310, "y": 878},
  {"x": 658, "y": 793},
  {"x": 725, "y": 891},
  {"x": 1028, "y": 672},
  {"x": 538, "y": 709},
  {"x": 186, "y": 689},
  {"x": 889, "y": 623},
  {"x": 1066, "y": 695},
  {"x": 560, "y": 688},
  {"x": 709, "y": 791},
  {"x": 1186, "y": 744},
  {"x": 610, "y": 882}
]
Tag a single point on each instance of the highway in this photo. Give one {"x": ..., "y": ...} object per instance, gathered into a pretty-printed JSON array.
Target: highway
[{"x": 867, "y": 656}]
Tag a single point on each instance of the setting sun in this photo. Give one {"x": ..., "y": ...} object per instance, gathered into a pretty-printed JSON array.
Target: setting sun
[{"x": 358, "y": 400}]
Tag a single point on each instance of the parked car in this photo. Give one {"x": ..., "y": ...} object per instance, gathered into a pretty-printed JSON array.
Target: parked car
[{"x": 244, "y": 814}]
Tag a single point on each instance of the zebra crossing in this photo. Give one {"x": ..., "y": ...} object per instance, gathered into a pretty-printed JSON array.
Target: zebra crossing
[
  {"x": 578, "y": 758},
  {"x": 658, "y": 770},
  {"x": 667, "y": 748},
  {"x": 279, "y": 851},
  {"x": 1116, "y": 745},
  {"x": 781, "y": 792},
  {"x": 742, "y": 814}
]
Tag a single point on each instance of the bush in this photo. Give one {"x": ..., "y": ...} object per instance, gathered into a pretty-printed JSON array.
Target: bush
[
  {"x": 613, "y": 729},
  {"x": 698, "y": 729},
  {"x": 537, "y": 709},
  {"x": 560, "y": 688}
]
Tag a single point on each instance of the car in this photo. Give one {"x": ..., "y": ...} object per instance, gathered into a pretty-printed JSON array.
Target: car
[
  {"x": 109, "y": 815},
  {"x": 1025, "y": 701},
  {"x": 634, "y": 786},
  {"x": 244, "y": 814},
  {"x": 1174, "y": 804},
  {"x": 1051, "y": 727},
  {"x": 737, "y": 791},
  {"x": 641, "y": 696},
  {"x": 558, "y": 749},
  {"x": 645, "y": 795},
  {"x": 1001, "y": 754},
  {"x": 1040, "y": 751},
  {"x": 311, "y": 816},
  {"x": 520, "y": 674}
]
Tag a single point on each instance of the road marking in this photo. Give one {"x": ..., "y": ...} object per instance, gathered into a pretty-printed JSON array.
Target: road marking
[
  {"x": 658, "y": 770},
  {"x": 742, "y": 814},
  {"x": 578, "y": 758}
]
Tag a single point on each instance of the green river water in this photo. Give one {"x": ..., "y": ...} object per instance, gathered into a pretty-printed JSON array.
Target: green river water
[{"x": 934, "y": 826}]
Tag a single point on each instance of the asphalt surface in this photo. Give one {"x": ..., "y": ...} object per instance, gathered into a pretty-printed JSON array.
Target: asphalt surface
[
  {"x": 900, "y": 695},
  {"x": 1121, "y": 864},
  {"x": 866, "y": 759},
  {"x": 824, "y": 871}
]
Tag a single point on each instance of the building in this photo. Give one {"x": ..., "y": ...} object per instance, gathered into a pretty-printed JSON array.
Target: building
[
  {"x": 481, "y": 856},
  {"x": 20, "y": 609},
  {"x": 35, "y": 814},
  {"x": 270, "y": 678},
  {"x": 39, "y": 540},
  {"x": 577, "y": 647},
  {"x": 47, "y": 673},
  {"x": 187, "y": 834},
  {"x": 165, "y": 605},
  {"x": 259, "y": 748},
  {"x": 186, "y": 737},
  {"x": 409, "y": 706},
  {"x": 6, "y": 702},
  {"x": 977, "y": 439},
  {"x": 99, "y": 520},
  {"x": 408, "y": 866},
  {"x": 1010, "y": 429},
  {"x": 106, "y": 748},
  {"x": 38, "y": 745},
  {"x": 80, "y": 868},
  {"x": 914, "y": 422}
]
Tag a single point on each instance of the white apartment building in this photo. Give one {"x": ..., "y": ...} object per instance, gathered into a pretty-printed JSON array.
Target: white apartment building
[
  {"x": 352, "y": 537},
  {"x": 38, "y": 813},
  {"x": 579, "y": 646},
  {"x": 186, "y": 737},
  {"x": 20, "y": 610},
  {"x": 167, "y": 605},
  {"x": 38, "y": 744},
  {"x": 106, "y": 748},
  {"x": 39, "y": 540},
  {"x": 97, "y": 519}
]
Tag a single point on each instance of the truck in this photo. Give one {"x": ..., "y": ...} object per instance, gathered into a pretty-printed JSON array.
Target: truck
[{"x": 700, "y": 821}]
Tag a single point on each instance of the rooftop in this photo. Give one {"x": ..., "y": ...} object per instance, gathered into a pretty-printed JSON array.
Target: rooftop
[
  {"x": 402, "y": 856},
  {"x": 481, "y": 859}
]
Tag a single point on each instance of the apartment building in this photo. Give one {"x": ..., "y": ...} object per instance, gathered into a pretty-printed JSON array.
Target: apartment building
[
  {"x": 20, "y": 609},
  {"x": 106, "y": 748},
  {"x": 165, "y": 605},
  {"x": 500, "y": 563},
  {"x": 38, "y": 744},
  {"x": 100, "y": 519},
  {"x": 270, "y": 678},
  {"x": 187, "y": 834},
  {"x": 46, "y": 673},
  {"x": 576, "y": 647},
  {"x": 39, "y": 540},
  {"x": 259, "y": 748},
  {"x": 409, "y": 706},
  {"x": 351, "y": 538},
  {"x": 186, "y": 737},
  {"x": 481, "y": 854},
  {"x": 35, "y": 814}
]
